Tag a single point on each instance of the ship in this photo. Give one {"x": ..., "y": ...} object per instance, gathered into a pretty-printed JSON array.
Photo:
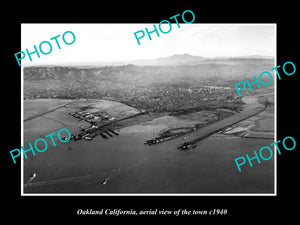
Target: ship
[
  {"x": 187, "y": 146},
  {"x": 159, "y": 140}
]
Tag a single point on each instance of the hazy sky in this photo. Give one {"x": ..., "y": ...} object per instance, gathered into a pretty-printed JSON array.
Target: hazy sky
[{"x": 114, "y": 42}]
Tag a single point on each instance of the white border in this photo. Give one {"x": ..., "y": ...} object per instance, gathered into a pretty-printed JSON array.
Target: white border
[
  {"x": 22, "y": 123},
  {"x": 275, "y": 116},
  {"x": 161, "y": 194}
]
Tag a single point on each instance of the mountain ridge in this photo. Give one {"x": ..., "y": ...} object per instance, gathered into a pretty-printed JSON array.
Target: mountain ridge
[{"x": 173, "y": 60}]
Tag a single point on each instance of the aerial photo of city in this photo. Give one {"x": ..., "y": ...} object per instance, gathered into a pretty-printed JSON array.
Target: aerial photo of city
[{"x": 167, "y": 125}]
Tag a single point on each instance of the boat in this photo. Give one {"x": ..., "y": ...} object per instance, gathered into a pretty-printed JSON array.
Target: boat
[{"x": 187, "y": 146}]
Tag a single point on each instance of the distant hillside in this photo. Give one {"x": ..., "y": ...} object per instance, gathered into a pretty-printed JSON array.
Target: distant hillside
[
  {"x": 255, "y": 57},
  {"x": 140, "y": 83},
  {"x": 199, "y": 70},
  {"x": 186, "y": 59},
  {"x": 175, "y": 60}
]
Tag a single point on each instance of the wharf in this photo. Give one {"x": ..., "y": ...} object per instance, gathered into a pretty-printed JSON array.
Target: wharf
[{"x": 204, "y": 132}]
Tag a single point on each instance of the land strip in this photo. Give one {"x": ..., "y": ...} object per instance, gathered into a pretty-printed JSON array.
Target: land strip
[
  {"x": 46, "y": 112},
  {"x": 204, "y": 132}
]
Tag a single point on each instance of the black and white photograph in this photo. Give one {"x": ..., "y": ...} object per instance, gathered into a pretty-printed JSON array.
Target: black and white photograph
[
  {"x": 130, "y": 109},
  {"x": 127, "y": 112}
]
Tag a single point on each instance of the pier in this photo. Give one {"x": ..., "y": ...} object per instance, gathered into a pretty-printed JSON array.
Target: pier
[{"x": 204, "y": 132}]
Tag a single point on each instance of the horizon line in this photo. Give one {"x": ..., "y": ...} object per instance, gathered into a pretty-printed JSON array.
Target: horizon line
[{"x": 130, "y": 61}]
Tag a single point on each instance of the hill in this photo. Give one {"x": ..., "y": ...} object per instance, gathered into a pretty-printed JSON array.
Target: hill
[
  {"x": 175, "y": 60},
  {"x": 155, "y": 87},
  {"x": 177, "y": 68}
]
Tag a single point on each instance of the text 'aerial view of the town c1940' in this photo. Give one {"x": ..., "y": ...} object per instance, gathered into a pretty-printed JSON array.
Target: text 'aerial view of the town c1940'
[{"x": 170, "y": 125}]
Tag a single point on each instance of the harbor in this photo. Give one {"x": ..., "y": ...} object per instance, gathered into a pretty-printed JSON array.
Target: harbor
[
  {"x": 198, "y": 134},
  {"x": 100, "y": 123}
]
